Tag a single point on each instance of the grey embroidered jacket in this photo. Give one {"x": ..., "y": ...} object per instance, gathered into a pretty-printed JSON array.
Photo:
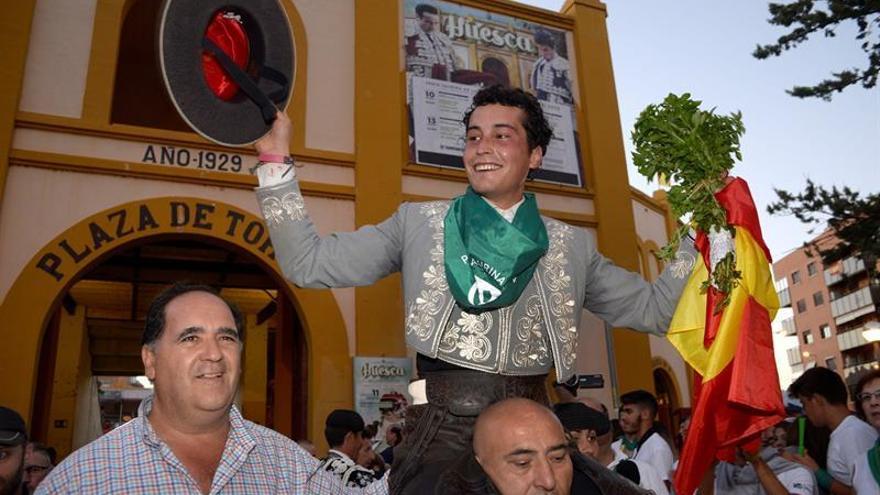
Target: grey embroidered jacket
[{"x": 526, "y": 338}]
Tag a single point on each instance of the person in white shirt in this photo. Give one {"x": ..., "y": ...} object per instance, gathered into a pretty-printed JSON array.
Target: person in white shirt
[
  {"x": 865, "y": 478},
  {"x": 641, "y": 441},
  {"x": 590, "y": 430},
  {"x": 824, "y": 396},
  {"x": 765, "y": 472}
]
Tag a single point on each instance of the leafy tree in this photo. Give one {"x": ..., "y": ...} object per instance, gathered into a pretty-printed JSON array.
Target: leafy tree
[
  {"x": 805, "y": 18},
  {"x": 854, "y": 220}
]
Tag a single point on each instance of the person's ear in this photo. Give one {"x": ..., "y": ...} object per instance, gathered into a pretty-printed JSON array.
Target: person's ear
[
  {"x": 148, "y": 356},
  {"x": 536, "y": 157}
]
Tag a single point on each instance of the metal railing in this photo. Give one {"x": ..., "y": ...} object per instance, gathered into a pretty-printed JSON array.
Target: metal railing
[
  {"x": 848, "y": 267},
  {"x": 857, "y": 368},
  {"x": 852, "y": 305}
]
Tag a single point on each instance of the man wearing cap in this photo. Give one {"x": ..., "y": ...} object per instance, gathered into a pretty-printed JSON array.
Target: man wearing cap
[
  {"x": 492, "y": 290},
  {"x": 590, "y": 429},
  {"x": 13, "y": 437},
  {"x": 344, "y": 433},
  {"x": 188, "y": 436}
]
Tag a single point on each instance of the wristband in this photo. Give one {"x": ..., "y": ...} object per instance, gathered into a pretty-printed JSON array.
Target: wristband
[
  {"x": 271, "y": 158},
  {"x": 823, "y": 479}
]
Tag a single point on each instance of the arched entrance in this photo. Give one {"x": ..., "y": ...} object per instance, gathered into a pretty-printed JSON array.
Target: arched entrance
[
  {"x": 100, "y": 253},
  {"x": 667, "y": 399}
]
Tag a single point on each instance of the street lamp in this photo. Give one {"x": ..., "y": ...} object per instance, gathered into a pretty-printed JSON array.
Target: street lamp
[{"x": 871, "y": 333}]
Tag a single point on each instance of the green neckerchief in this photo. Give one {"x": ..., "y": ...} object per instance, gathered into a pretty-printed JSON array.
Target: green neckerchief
[
  {"x": 874, "y": 461},
  {"x": 488, "y": 260},
  {"x": 629, "y": 445}
]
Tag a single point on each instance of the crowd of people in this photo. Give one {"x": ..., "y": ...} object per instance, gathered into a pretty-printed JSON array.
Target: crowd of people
[{"x": 190, "y": 437}]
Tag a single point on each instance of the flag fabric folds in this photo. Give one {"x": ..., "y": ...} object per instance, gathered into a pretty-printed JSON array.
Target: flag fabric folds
[{"x": 737, "y": 387}]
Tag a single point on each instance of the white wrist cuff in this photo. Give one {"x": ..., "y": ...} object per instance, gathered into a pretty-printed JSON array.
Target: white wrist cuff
[{"x": 272, "y": 174}]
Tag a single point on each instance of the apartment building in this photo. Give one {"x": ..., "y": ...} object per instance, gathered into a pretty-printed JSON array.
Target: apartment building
[{"x": 831, "y": 306}]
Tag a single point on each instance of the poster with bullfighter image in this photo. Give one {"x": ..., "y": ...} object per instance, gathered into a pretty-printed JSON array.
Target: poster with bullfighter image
[{"x": 452, "y": 50}]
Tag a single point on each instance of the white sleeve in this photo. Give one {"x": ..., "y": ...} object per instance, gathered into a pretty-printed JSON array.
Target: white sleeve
[
  {"x": 272, "y": 174},
  {"x": 852, "y": 445},
  {"x": 863, "y": 479},
  {"x": 649, "y": 479},
  {"x": 657, "y": 454}
]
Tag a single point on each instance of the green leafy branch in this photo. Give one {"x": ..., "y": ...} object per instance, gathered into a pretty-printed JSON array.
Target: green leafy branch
[{"x": 693, "y": 150}]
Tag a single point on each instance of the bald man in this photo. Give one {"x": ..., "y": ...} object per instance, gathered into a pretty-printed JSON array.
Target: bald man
[{"x": 521, "y": 445}]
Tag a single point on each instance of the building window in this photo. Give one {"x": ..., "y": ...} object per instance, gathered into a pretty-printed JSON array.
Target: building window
[
  {"x": 818, "y": 299},
  {"x": 808, "y": 337},
  {"x": 825, "y": 330},
  {"x": 811, "y": 268},
  {"x": 139, "y": 96},
  {"x": 831, "y": 364},
  {"x": 795, "y": 277},
  {"x": 801, "y": 306}
]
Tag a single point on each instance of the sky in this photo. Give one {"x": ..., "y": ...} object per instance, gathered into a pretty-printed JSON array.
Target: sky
[{"x": 704, "y": 48}]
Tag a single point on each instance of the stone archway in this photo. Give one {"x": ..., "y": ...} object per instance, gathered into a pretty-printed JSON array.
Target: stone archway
[{"x": 36, "y": 293}]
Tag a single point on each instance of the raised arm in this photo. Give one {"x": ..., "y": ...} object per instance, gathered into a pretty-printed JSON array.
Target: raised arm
[{"x": 308, "y": 260}]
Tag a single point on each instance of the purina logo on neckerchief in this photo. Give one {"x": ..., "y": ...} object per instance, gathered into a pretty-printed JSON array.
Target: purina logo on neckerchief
[{"x": 480, "y": 289}]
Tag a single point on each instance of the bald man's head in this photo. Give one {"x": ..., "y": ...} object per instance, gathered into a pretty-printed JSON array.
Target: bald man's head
[{"x": 522, "y": 447}]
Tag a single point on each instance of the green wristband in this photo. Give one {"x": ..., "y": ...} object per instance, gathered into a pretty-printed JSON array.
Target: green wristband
[{"x": 823, "y": 478}]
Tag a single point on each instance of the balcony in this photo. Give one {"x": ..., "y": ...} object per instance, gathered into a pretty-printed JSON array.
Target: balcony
[
  {"x": 794, "y": 356},
  {"x": 784, "y": 298},
  {"x": 851, "y": 339},
  {"x": 788, "y": 327},
  {"x": 852, "y": 305},
  {"x": 847, "y": 268},
  {"x": 782, "y": 291},
  {"x": 859, "y": 368}
]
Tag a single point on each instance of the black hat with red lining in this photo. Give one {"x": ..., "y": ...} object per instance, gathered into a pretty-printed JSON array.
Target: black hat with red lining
[{"x": 227, "y": 65}]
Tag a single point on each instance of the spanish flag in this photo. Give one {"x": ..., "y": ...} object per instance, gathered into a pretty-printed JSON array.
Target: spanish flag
[{"x": 737, "y": 391}]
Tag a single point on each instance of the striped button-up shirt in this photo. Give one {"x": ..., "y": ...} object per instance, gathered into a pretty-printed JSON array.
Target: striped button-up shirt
[{"x": 133, "y": 460}]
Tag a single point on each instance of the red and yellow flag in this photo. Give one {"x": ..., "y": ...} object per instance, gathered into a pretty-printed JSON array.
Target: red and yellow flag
[{"x": 737, "y": 391}]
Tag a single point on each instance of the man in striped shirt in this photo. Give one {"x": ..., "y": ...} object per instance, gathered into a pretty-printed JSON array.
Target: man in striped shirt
[{"x": 189, "y": 437}]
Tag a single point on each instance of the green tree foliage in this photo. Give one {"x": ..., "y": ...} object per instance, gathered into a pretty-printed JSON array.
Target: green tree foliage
[
  {"x": 693, "y": 150},
  {"x": 805, "y": 18},
  {"x": 853, "y": 219}
]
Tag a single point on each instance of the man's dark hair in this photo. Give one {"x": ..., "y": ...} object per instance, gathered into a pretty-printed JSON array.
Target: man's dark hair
[
  {"x": 423, "y": 8},
  {"x": 641, "y": 398},
  {"x": 156, "y": 314},
  {"x": 538, "y": 131},
  {"x": 544, "y": 38},
  {"x": 820, "y": 381},
  {"x": 341, "y": 422}
]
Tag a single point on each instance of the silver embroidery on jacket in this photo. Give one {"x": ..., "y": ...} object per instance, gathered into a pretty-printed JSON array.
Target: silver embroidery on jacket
[
  {"x": 532, "y": 348},
  {"x": 422, "y": 312},
  {"x": 560, "y": 306},
  {"x": 468, "y": 337},
  {"x": 291, "y": 204},
  {"x": 682, "y": 265}
]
